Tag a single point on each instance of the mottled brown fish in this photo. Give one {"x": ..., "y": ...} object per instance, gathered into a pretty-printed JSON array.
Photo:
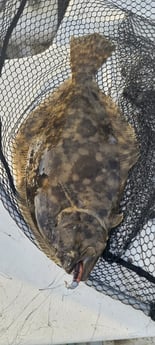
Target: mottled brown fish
[{"x": 71, "y": 161}]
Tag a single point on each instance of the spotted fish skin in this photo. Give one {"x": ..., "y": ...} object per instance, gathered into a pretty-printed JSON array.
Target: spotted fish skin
[{"x": 71, "y": 161}]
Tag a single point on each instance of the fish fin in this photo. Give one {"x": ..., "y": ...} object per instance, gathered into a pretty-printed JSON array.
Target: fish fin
[
  {"x": 88, "y": 53},
  {"x": 117, "y": 219}
]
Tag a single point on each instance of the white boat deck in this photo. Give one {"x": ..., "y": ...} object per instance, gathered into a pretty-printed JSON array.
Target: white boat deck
[{"x": 36, "y": 307}]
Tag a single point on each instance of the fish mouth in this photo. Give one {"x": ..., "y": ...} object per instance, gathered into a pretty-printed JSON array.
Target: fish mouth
[
  {"x": 81, "y": 272},
  {"x": 81, "y": 269}
]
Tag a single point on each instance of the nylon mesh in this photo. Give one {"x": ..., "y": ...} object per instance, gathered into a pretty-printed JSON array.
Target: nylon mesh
[{"x": 34, "y": 45}]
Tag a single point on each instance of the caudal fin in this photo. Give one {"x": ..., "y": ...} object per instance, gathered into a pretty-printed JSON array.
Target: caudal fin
[{"x": 88, "y": 53}]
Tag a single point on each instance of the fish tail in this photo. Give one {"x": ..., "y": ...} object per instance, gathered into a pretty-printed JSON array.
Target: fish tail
[{"x": 88, "y": 53}]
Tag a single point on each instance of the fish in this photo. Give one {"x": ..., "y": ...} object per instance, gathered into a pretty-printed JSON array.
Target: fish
[{"x": 71, "y": 159}]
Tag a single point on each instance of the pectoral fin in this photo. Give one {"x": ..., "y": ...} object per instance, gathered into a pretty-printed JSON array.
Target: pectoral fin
[{"x": 116, "y": 220}]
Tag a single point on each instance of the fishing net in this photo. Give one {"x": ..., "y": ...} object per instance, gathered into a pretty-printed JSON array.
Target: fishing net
[{"x": 34, "y": 45}]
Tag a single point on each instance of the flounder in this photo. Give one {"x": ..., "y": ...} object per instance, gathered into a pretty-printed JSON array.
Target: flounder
[{"x": 71, "y": 160}]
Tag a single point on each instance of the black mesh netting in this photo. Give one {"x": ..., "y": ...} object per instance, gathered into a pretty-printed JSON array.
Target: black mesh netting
[{"x": 34, "y": 44}]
